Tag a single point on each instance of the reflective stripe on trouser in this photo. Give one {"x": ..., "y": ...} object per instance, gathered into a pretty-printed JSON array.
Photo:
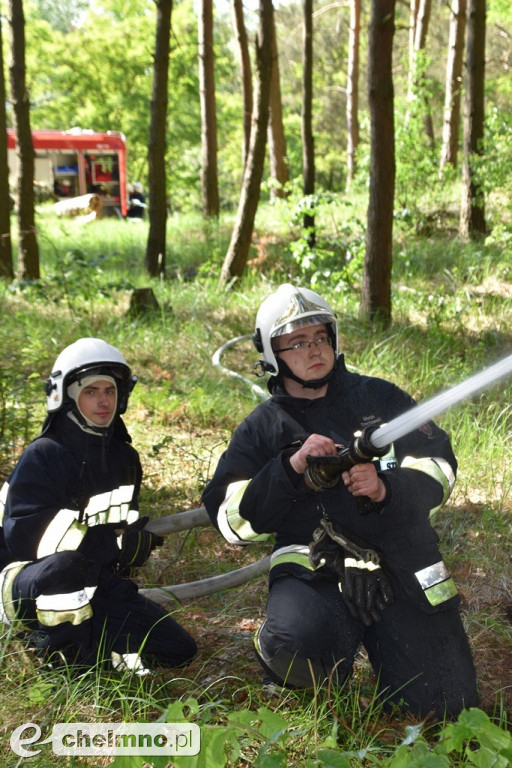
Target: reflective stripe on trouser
[
  {"x": 50, "y": 610},
  {"x": 56, "y": 589},
  {"x": 435, "y": 580},
  {"x": 74, "y": 607},
  {"x": 7, "y": 604},
  {"x": 437, "y": 583}
]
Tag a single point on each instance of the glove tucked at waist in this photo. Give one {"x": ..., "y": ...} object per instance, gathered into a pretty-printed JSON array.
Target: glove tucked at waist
[
  {"x": 136, "y": 546},
  {"x": 363, "y": 584}
]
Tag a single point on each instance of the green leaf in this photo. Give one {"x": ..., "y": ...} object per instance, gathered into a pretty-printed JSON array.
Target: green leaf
[
  {"x": 331, "y": 758},
  {"x": 487, "y": 758},
  {"x": 127, "y": 761},
  {"x": 40, "y": 692},
  {"x": 274, "y": 760},
  {"x": 474, "y": 725},
  {"x": 420, "y": 756},
  {"x": 267, "y": 723},
  {"x": 212, "y": 753},
  {"x": 175, "y": 711},
  {"x": 271, "y": 723},
  {"x": 401, "y": 758}
]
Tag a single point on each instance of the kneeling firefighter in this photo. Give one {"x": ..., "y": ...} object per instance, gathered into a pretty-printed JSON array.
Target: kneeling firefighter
[
  {"x": 355, "y": 559},
  {"x": 71, "y": 534}
]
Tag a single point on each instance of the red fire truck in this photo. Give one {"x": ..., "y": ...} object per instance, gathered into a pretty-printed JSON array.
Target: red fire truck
[{"x": 77, "y": 161}]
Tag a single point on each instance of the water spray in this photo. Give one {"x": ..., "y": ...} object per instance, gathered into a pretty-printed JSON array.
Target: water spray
[{"x": 324, "y": 471}]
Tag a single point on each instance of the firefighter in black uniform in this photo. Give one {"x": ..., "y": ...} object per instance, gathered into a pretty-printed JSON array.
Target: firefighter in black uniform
[
  {"x": 357, "y": 562},
  {"x": 71, "y": 534}
]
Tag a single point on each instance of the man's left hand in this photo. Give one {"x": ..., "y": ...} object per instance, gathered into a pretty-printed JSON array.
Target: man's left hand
[
  {"x": 137, "y": 543},
  {"x": 363, "y": 480}
]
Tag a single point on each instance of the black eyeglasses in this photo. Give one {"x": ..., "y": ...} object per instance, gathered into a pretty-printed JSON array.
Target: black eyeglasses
[{"x": 303, "y": 346}]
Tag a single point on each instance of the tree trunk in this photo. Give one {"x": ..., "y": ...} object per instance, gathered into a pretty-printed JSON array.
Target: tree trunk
[
  {"x": 353, "y": 89},
  {"x": 6, "y": 269},
  {"x": 308, "y": 142},
  {"x": 28, "y": 250},
  {"x": 155, "y": 248},
  {"x": 245, "y": 72},
  {"x": 472, "y": 218},
  {"x": 376, "y": 290},
  {"x": 422, "y": 10},
  {"x": 413, "y": 16},
  {"x": 279, "y": 170},
  {"x": 238, "y": 251},
  {"x": 452, "y": 99},
  {"x": 209, "y": 180}
]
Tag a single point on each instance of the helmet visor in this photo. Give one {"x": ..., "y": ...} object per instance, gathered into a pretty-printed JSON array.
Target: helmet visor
[{"x": 302, "y": 322}]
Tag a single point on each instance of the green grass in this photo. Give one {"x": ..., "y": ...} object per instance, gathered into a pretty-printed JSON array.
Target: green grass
[{"x": 451, "y": 318}]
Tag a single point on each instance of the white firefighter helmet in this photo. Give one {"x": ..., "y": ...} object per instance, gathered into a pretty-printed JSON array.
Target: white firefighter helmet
[
  {"x": 87, "y": 357},
  {"x": 284, "y": 311}
]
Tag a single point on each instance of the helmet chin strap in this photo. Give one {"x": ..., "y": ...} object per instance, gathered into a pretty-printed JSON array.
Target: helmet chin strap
[{"x": 285, "y": 371}]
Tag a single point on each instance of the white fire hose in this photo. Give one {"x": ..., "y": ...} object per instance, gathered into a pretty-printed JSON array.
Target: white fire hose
[{"x": 197, "y": 518}]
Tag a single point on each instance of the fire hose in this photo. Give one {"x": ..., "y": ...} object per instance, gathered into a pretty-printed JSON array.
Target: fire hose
[
  {"x": 198, "y": 517},
  {"x": 322, "y": 471}
]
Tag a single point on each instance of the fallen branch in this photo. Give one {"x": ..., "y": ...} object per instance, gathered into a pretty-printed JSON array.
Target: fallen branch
[{"x": 89, "y": 205}]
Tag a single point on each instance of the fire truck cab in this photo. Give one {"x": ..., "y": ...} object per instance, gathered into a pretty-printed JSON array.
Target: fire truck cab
[{"x": 75, "y": 162}]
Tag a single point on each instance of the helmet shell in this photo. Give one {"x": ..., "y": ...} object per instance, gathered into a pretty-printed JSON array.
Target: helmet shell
[
  {"x": 86, "y": 357},
  {"x": 285, "y": 309}
]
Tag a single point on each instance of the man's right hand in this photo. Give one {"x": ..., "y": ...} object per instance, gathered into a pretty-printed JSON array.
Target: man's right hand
[{"x": 315, "y": 445}]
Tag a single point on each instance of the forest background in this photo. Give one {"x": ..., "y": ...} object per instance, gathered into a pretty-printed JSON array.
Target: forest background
[{"x": 91, "y": 65}]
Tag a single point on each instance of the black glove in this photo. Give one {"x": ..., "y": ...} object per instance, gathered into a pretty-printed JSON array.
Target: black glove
[
  {"x": 323, "y": 550},
  {"x": 363, "y": 584},
  {"x": 136, "y": 546},
  {"x": 366, "y": 589}
]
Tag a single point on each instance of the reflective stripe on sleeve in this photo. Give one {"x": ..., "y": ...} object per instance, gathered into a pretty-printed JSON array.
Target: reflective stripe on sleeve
[
  {"x": 437, "y": 468},
  {"x": 437, "y": 583},
  {"x": 63, "y": 533},
  {"x": 74, "y": 607},
  {"x": 234, "y": 528},
  {"x": 111, "y": 507},
  {"x": 3, "y": 499}
]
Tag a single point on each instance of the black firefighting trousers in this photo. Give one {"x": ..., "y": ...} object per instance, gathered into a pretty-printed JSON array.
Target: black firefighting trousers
[
  {"x": 119, "y": 619},
  {"x": 422, "y": 661}
]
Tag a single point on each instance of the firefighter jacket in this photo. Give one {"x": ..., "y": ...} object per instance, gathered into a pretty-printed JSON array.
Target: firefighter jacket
[
  {"x": 255, "y": 493},
  {"x": 71, "y": 490}
]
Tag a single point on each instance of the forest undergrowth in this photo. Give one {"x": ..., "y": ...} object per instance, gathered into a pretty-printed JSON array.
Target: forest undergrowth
[{"x": 451, "y": 319}]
